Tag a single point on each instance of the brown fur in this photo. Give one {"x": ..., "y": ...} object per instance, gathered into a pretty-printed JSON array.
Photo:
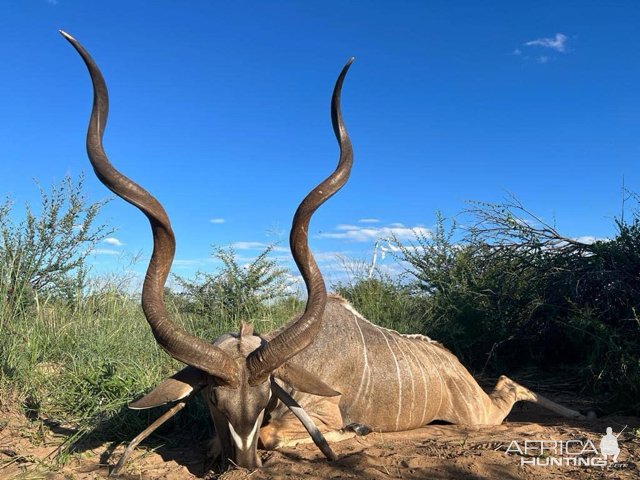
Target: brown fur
[{"x": 389, "y": 382}]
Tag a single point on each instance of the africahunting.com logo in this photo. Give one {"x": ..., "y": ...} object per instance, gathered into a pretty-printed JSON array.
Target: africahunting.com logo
[{"x": 568, "y": 452}]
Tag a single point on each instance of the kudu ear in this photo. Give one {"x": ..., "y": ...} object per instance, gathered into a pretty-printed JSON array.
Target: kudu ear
[
  {"x": 304, "y": 381},
  {"x": 177, "y": 387}
]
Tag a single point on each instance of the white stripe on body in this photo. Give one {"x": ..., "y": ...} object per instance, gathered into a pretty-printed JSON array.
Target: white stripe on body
[
  {"x": 413, "y": 390},
  {"x": 365, "y": 371},
  {"x": 426, "y": 349},
  {"x": 395, "y": 359},
  {"x": 424, "y": 382},
  {"x": 456, "y": 382}
]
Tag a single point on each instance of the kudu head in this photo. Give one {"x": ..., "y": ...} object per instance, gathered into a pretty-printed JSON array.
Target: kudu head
[{"x": 237, "y": 371}]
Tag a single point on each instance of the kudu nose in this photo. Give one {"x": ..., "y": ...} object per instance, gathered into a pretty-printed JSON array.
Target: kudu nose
[{"x": 248, "y": 459}]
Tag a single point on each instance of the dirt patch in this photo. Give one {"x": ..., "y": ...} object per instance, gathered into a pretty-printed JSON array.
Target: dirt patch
[{"x": 28, "y": 451}]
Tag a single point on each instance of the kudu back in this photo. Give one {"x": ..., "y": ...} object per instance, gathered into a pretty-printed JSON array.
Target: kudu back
[{"x": 328, "y": 371}]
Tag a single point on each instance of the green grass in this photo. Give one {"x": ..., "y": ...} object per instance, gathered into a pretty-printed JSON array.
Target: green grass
[{"x": 79, "y": 365}]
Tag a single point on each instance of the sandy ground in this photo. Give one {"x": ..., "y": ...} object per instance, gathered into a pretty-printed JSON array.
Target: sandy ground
[{"x": 28, "y": 450}]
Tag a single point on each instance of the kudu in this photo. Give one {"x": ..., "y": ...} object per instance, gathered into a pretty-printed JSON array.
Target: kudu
[{"x": 350, "y": 375}]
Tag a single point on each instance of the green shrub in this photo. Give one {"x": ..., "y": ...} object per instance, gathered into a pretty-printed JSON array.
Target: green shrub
[
  {"x": 238, "y": 292},
  {"x": 513, "y": 292}
]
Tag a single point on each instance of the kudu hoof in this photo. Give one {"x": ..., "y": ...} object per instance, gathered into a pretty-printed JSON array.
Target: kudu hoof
[{"x": 359, "y": 429}]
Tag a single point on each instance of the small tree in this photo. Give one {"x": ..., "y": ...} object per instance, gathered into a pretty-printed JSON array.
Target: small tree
[
  {"x": 511, "y": 291},
  {"x": 44, "y": 253},
  {"x": 237, "y": 292}
]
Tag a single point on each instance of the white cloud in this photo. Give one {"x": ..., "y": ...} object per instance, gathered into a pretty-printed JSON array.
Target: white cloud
[
  {"x": 392, "y": 269},
  {"x": 517, "y": 51},
  {"x": 395, "y": 248},
  {"x": 558, "y": 43},
  {"x": 346, "y": 270},
  {"x": 104, "y": 251},
  {"x": 322, "y": 257},
  {"x": 248, "y": 245},
  {"x": 217, "y": 221},
  {"x": 190, "y": 262},
  {"x": 356, "y": 233},
  {"x": 256, "y": 246},
  {"x": 368, "y": 220},
  {"x": 589, "y": 239},
  {"x": 113, "y": 241},
  {"x": 543, "y": 59}
]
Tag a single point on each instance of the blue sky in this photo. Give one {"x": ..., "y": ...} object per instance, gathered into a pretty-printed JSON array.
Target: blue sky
[{"x": 221, "y": 109}]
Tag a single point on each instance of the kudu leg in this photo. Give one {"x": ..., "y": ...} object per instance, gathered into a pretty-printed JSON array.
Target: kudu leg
[
  {"x": 332, "y": 436},
  {"x": 144, "y": 434},
  {"x": 507, "y": 392},
  {"x": 304, "y": 418}
]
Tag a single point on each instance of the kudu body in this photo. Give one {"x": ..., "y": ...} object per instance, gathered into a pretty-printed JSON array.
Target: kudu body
[
  {"x": 389, "y": 382},
  {"x": 328, "y": 367}
]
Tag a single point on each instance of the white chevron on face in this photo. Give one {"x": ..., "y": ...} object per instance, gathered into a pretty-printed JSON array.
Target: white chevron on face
[{"x": 245, "y": 443}]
